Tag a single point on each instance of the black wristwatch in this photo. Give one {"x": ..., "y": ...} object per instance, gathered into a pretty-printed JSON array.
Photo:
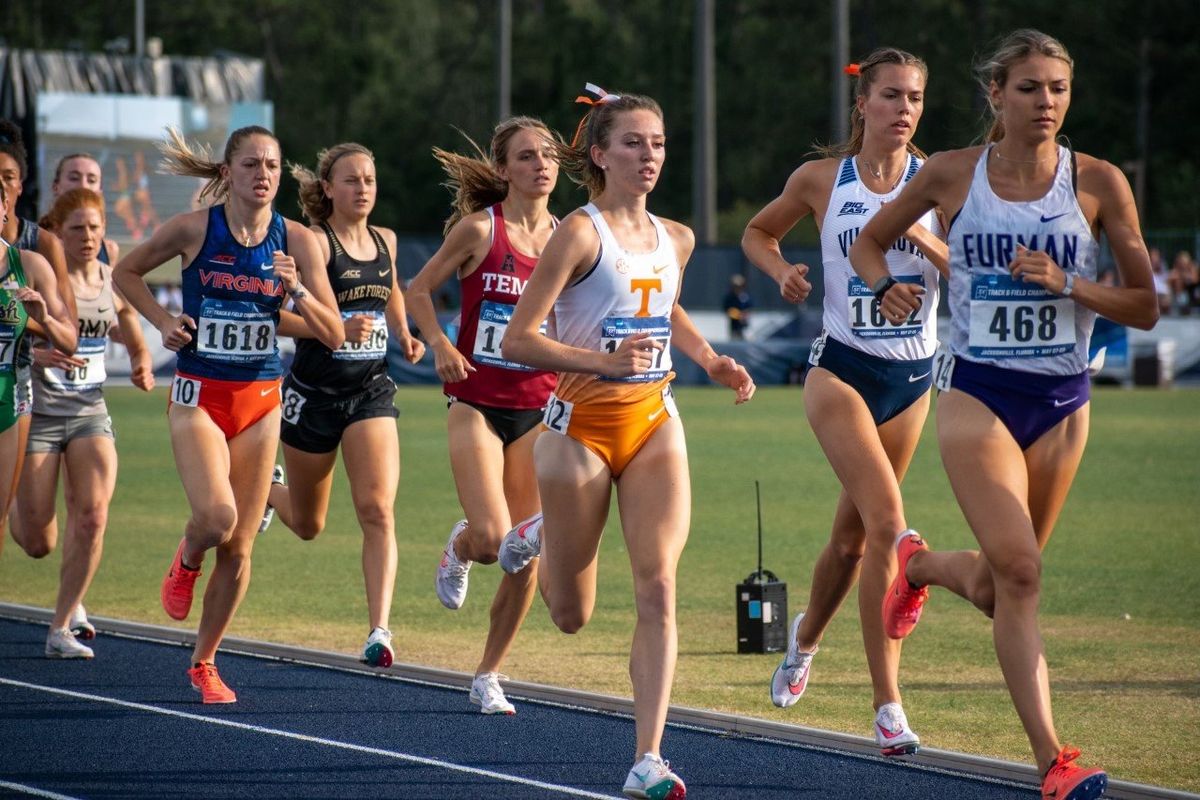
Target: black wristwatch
[{"x": 882, "y": 285}]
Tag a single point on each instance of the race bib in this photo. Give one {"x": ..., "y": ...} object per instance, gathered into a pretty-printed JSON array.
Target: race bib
[
  {"x": 293, "y": 404},
  {"x": 374, "y": 348},
  {"x": 614, "y": 330},
  {"x": 557, "y": 415},
  {"x": 235, "y": 331},
  {"x": 868, "y": 322},
  {"x": 1012, "y": 319},
  {"x": 668, "y": 398},
  {"x": 493, "y": 324},
  {"x": 943, "y": 368},
  {"x": 8, "y": 347},
  {"x": 817, "y": 348},
  {"x": 185, "y": 391},
  {"x": 89, "y": 376}
]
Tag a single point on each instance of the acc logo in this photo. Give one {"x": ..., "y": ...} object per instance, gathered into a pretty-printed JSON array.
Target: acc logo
[
  {"x": 852, "y": 208},
  {"x": 223, "y": 259},
  {"x": 351, "y": 274}
]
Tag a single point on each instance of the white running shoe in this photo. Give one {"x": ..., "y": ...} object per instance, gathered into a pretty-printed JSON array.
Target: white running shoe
[
  {"x": 487, "y": 694},
  {"x": 791, "y": 676},
  {"x": 79, "y": 625},
  {"x": 269, "y": 514},
  {"x": 652, "y": 778},
  {"x": 892, "y": 733},
  {"x": 60, "y": 643},
  {"x": 378, "y": 650},
  {"x": 521, "y": 545},
  {"x": 451, "y": 578}
]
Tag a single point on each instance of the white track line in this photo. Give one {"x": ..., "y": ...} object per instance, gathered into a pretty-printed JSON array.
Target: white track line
[
  {"x": 34, "y": 791},
  {"x": 301, "y": 737}
]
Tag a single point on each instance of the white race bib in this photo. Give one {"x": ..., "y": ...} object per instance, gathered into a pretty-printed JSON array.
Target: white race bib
[
  {"x": 8, "y": 347},
  {"x": 235, "y": 331},
  {"x": 185, "y": 391},
  {"x": 374, "y": 348},
  {"x": 89, "y": 376},
  {"x": 943, "y": 368},
  {"x": 292, "y": 405},
  {"x": 868, "y": 322},
  {"x": 614, "y": 330},
  {"x": 493, "y": 324},
  {"x": 557, "y": 415},
  {"x": 1012, "y": 319}
]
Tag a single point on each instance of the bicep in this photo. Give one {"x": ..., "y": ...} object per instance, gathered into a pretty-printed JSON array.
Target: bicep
[
  {"x": 462, "y": 247},
  {"x": 569, "y": 250},
  {"x": 1118, "y": 217},
  {"x": 781, "y": 214},
  {"x": 169, "y": 240}
]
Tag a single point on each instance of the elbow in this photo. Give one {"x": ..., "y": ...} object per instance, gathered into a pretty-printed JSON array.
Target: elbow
[
  {"x": 1149, "y": 318},
  {"x": 512, "y": 346}
]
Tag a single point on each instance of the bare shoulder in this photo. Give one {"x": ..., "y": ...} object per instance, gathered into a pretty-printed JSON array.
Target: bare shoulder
[
  {"x": 389, "y": 236},
  {"x": 951, "y": 163},
  {"x": 1097, "y": 176},
  {"x": 681, "y": 234},
  {"x": 472, "y": 229},
  {"x": 812, "y": 178}
]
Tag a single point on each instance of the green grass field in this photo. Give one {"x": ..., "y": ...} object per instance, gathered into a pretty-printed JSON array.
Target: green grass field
[{"x": 1126, "y": 690}]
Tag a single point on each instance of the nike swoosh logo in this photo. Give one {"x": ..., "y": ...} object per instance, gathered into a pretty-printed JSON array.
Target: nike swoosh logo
[
  {"x": 383, "y": 273},
  {"x": 658, "y": 413},
  {"x": 266, "y": 267},
  {"x": 657, "y": 270},
  {"x": 101, "y": 310},
  {"x": 1056, "y": 216},
  {"x": 265, "y": 392},
  {"x": 888, "y": 734},
  {"x": 915, "y": 378},
  {"x": 1061, "y": 403}
]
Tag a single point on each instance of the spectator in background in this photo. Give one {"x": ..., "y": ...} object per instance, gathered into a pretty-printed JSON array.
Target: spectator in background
[
  {"x": 1162, "y": 286},
  {"x": 1184, "y": 282},
  {"x": 737, "y": 305}
]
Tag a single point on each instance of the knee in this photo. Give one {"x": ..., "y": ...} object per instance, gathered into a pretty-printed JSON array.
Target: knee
[
  {"x": 848, "y": 553},
  {"x": 308, "y": 528},
  {"x": 36, "y": 546},
  {"x": 485, "y": 542},
  {"x": 91, "y": 523},
  {"x": 1019, "y": 576},
  {"x": 375, "y": 517},
  {"x": 655, "y": 597},
  {"x": 569, "y": 620},
  {"x": 214, "y": 524},
  {"x": 883, "y": 525}
]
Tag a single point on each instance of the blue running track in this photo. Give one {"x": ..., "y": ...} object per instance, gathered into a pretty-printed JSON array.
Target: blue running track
[{"x": 128, "y": 725}]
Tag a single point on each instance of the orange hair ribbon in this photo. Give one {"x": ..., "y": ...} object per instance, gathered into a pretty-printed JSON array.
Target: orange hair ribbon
[{"x": 851, "y": 69}]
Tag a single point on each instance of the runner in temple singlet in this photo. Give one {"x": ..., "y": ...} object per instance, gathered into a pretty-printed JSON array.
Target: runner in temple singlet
[
  {"x": 71, "y": 427},
  {"x": 240, "y": 258},
  {"x": 611, "y": 274},
  {"x": 867, "y": 388},
  {"x": 1025, "y": 215},
  {"x": 344, "y": 396},
  {"x": 500, "y": 225}
]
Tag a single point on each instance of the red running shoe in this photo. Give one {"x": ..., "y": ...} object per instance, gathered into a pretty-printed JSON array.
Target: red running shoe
[
  {"x": 902, "y": 603},
  {"x": 1066, "y": 781},
  {"x": 178, "y": 585},
  {"x": 208, "y": 683}
]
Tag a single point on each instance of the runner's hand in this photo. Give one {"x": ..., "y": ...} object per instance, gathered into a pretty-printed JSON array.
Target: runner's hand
[
  {"x": 635, "y": 355},
  {"x": 727, "y": 372}
]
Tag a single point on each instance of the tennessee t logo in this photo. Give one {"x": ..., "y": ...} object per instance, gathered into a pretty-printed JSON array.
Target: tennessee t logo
[{"x": 645, "y": 286}]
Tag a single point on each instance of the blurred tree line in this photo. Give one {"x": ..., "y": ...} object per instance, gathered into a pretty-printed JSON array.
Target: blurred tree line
[{"x": 399, "y": 75}]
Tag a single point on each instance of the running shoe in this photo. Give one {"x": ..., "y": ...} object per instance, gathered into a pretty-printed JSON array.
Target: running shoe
[
  {"x": 208, "y": 683},
  {"x": 269, "y": 514},
  {"x": 1066, "y": 781},
  {"x": 178, "y": 585},
  {"x": 892, "y": 733},
  {"x": 487, "y": 694},
  {"x": 378, "y": 650},
  {"x": 903, "y": 602},
  {"x": 60, "y": 643},
  {"x": 521, "y": 545},
  {"x": 79, "y": 624},
  {"x": 652, "y": 778},
  {"x": 451, "y": 577},
  {"x": 791, "y": 676}
]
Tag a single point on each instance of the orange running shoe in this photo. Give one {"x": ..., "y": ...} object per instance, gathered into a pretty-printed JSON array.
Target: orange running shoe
[
  {"x": 177, "y": 586},
  {"x": 208, "y": 683},
  {"x": 1066, "y": 781},
  {"x": 902, "y": 603}
]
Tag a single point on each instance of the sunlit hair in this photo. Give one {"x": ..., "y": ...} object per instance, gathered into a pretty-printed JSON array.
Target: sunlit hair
[
  {"x": 13, "y": 143},
  {"x": 595, "y": 129},
  {"x": 180, "y": 157},
  {"x": 62, "y": 162},
  {"x": 69, "y": 202},
  {"x": 1013, "y": 49},
  {"x": 475, "y": 180},
  {"x": 315, "y": 204},
  {"x": 867, "y": 74}
]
